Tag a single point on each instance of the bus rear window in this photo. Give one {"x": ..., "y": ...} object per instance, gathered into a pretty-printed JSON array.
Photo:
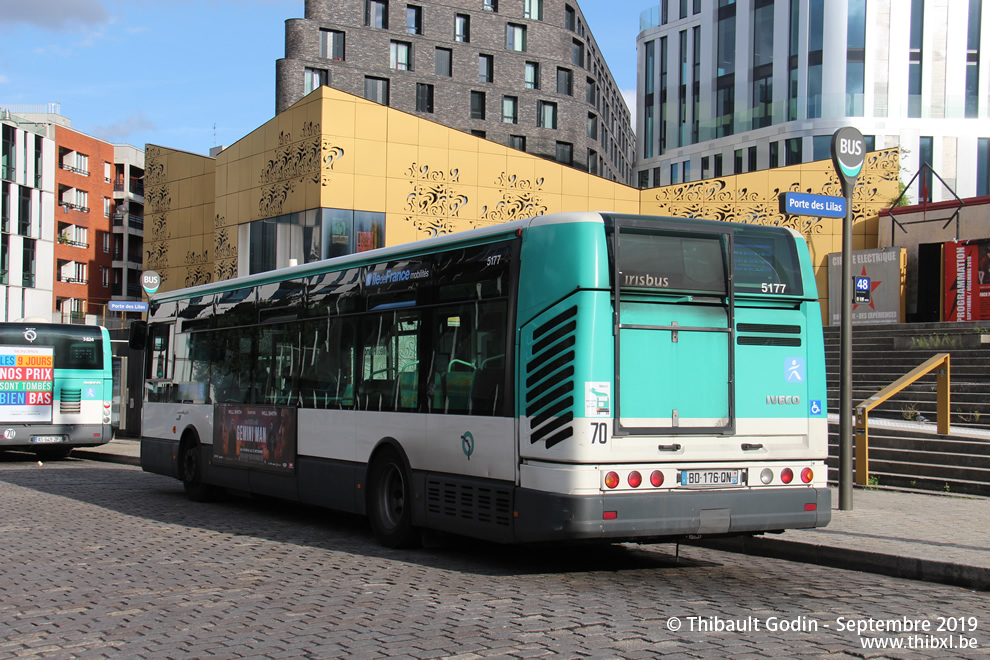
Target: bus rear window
[
  {"x": 652, "y": 260},
  {"x": 75, "y": 348},
  {"x": 765, "y": 261}
]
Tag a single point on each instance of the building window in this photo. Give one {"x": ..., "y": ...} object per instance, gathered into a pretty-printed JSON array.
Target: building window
[
  {"x": 821, "y": 147},
  {"x": 705, "y": 164},
  {"x": 486, "y": 68},
  {"x": 816, "y": 35},
  {"x": 376, "y": 89},
  {"x": 106, "y": 207},
  {"x": 793, "y": 148},
  {"x": 696, "y": 86},
  {"x": 478, "y": 133},
  {"x": 774, "y": 154},
  {"x": 462, "y": 28},
  {"x": 105, "y": 276},
  {"x": 400, "y": 56},
  {"x": 737, "y": 157},
  {"x": 726, "y": 70},
  {"x": 674, "y": 173},
  {"x": 332, "y": 44},
  {"x": 983, "y": 167},
  {"x": 376, "y": 13},
  {"x": 510, "y": 109},
  {"x": 518, "y": 142},
  {"x": 546, "y": 114},
  {"x": 532, "y": 75},
  {"x": 592, "y": 126},
  {"x": 591, "y": 92},
  {"x": 794, "y": 26},
  {"x": 718, "y": 165},
  {"x": 515, "y": 37},
  {"x": 683, "y": 9},
  {"x": 443, "y": 62},
  {"x": 697, "y": 7},
  {"x": 28, "y": 262},
  {"x": 914, "y": 57},
  {"x": 490, "y": 5},
  {"x": 856, "y": 58},
  {"x": 314, "y": 78},
  {"x": 106, "y": 242},
  {"x": 414, "y": 19},
  {"x": 424, "y": 97},
  {"x": 533, "y": 9},
  {"x": 570, "y": 18},
  {"x": 663, "y": 94},
  {"x": 762, "y": 64},
  {"x": 657, "y": 176},
  {"x": 644, "y": 179},
  {"x": 24, "y": 211},
  {"x": 973, "y": 59},
  {"x": 686, "y": 171},
  {"x": 751, "y": 157},
  {"x": 577, "y": 53},
  {"x": 593, "y": 162},
  {"x": 682, "y": 90},
  {"x": 565, "y": 153},
  {"x": 925, "y": 152},
  {"x": 565, "y": 82},
  {"x": 477, "y": 105}
]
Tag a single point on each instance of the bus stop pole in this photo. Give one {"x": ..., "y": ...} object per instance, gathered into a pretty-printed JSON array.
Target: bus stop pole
[{"x": 845, "y": 359}]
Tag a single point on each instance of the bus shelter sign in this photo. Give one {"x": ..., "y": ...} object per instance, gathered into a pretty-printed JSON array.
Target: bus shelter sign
[
  {"x": 27, "y": 384},
  {"x": 259, "y": 437}
]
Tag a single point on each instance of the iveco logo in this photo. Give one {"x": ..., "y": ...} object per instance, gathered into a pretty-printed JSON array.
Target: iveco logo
[{"x": 783, "y": 400}]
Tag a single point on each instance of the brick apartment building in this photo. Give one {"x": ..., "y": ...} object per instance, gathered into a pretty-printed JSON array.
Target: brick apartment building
[{"x": 526, "y": 74}]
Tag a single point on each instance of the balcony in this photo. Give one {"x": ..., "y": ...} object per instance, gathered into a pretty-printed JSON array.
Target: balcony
[
  {"x": 133, "y": 221},
  {"x": 62, "y": 239},
  {"x": 136, "y": 187},
  {"x": 72, "y": 280},
  {"x": 75, "y": 207},
  {"x": 70, "y": 168}
]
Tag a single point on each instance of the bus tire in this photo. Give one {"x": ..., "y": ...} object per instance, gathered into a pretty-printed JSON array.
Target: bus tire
[
  {"x": 191, "y": 466},
  {"x": 390, "y": 501},
  {"x": 53, "y": 453}
]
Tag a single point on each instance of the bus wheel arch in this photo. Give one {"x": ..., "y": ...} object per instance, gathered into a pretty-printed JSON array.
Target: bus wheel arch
[
  {"x": 389, "y": 496},
  {"x": 191, "y": 468}
]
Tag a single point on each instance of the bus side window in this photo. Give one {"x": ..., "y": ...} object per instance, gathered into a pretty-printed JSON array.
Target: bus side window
[{"x": 158, "y": 352}]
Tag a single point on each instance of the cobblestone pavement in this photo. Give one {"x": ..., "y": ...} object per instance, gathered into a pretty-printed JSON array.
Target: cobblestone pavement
[{"x": 103, "y": 560}]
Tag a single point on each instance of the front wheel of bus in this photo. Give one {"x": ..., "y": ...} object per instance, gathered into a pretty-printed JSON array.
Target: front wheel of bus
[
  {"x": 192, "y": 474},
  {"x": 390, "y": 503}
]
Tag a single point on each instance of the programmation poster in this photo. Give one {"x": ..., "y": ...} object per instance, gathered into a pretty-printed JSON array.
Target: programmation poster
[
  {"x": 27, "y": 384},
  {"x": 260, "y": 437},
  {"x": 966, "y": 287}
]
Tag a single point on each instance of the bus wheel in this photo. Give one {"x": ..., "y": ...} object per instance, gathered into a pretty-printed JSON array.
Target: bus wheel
[
  {"x": 53, "y": 453},
  {"x": 192, "y": 474},
  {"x": 390, "y": 503}
]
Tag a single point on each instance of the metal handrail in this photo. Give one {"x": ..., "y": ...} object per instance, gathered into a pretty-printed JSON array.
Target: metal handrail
[{"x": 942, "y": 382}]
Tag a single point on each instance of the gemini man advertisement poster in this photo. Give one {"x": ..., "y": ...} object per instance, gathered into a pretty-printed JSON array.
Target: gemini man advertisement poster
[{"x": 260, "y": 437}]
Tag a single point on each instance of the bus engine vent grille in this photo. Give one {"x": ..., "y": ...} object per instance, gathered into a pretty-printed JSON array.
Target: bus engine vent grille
[
  {"x": 550, "y": 379},
  {"x": 469, "y": 503},
  {"x": 769, "y": 341},
  {"x": 70, "y": 402},
  {"x": 770, "y": 328}
]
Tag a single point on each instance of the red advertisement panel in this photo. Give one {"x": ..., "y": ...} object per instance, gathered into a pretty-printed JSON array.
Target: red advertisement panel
[
  {"x": 966, "y": 285},
  {"x": 260, "y": 437}
]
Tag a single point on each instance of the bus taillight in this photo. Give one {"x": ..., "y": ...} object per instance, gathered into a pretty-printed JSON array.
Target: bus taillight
[
  {"x": 635, "y": 479},
  {"x": 612, "y": 479},
  {"x": 766, "y": 476},
  {"x": 807, "y": 475},
  {"x": 787, "y": 475},
  {"x": 656, "y": 478}
]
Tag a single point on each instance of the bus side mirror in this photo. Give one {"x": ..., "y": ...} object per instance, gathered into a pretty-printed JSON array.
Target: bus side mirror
[{"x": 139, "y": 335}]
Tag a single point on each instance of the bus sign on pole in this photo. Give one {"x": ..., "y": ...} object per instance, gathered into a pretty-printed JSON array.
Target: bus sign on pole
[
  {"x": 150, "y": 281},
  {"x": 861, "y": 292}
]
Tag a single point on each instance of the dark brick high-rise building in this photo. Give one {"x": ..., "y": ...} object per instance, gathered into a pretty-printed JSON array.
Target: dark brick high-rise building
[{"x": 523, "y": 73}]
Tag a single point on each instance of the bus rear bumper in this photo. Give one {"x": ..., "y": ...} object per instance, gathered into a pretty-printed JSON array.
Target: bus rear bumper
[
  {"x": 548, "y": 517},
  {"x": 13, "y": 436}
]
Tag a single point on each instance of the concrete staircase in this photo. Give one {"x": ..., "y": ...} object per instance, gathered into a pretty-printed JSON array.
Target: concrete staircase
[{"x": 905, "y": 450}]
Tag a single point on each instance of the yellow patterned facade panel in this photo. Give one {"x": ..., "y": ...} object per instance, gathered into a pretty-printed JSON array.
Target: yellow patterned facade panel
[{"x": 333, "y": 150}]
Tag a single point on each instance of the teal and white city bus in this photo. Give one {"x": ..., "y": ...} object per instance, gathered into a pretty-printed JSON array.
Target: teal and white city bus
[
  {"x": 56, "y": 387},
  {"x": 575, "y": 376}
]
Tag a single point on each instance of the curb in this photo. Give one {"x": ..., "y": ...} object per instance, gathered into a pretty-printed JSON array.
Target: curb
[
  {"x": 84, "y": 452},
  {"x": 909, "y": 568}
]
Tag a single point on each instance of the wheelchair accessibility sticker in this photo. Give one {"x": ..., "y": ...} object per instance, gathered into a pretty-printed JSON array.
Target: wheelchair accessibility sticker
[{"x": 816, "y": 408}]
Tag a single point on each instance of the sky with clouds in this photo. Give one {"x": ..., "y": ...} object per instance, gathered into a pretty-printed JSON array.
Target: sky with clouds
[{"x": 189, "y": 74}]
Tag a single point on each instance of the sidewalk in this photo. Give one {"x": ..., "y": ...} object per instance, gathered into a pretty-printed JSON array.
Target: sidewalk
[{"x": 917, "y": 536}]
